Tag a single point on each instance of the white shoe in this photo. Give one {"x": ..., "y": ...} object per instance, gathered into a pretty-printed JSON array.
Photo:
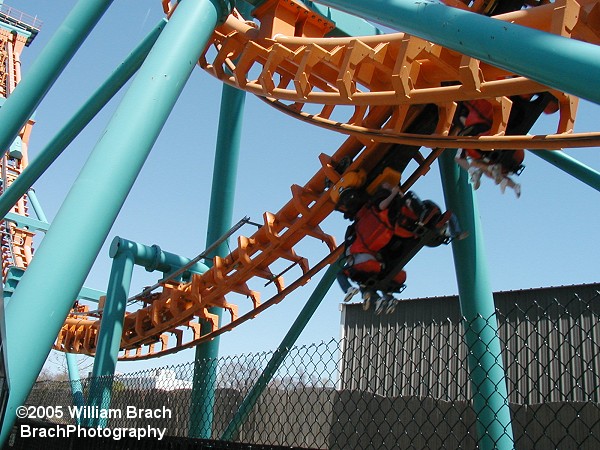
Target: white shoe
[
  {"x": 350, "y": 293},
  {"x": 391, "y": 303},
  {"x": 475, "y": 178},
  {"x": 497, "y": 175},
  {"x": 366, "y": 300},
  {"x": 503, "y": 185},
  {"x": 517, "y": 188}
]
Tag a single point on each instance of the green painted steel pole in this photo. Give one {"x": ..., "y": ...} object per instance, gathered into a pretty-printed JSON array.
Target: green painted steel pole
[
  {"x": 154, "y": 258},
  {"x": 42, "y": 74},
  {"x": 109, "y": 337},
  {"x": 566, "y": 64},
  {"x": 75, "y": 380},
  {"x": 282, "y": 351},
  {"x": 125, "y": 255},
  {"x": 219, "y": 221},
  {"x": 35, "y": 204},
  {"x": 570, "y": 165},
  {"x": 79, "y": 121},
  {"x": 72, "y": 367},
  {"x": 490, "y": 397},
  {"x": 65, "y": 256}
]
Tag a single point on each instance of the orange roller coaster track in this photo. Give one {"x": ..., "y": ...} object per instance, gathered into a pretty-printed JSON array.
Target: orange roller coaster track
[{"x": 374, "y": 89}]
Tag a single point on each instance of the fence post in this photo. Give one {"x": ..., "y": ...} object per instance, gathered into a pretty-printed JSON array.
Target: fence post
[{"x": 490, "y": 397}]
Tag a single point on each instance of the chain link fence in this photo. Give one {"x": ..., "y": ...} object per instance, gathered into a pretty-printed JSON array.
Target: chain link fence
[{"x": 401, "y": 381}]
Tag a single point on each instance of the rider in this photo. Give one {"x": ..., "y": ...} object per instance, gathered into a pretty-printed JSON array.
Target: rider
[
  {"x": 373, "y": 228},
  {"x": 499, "y": 164},
  {"x": 476, "y": 119},
  {"x": 376, "y": 235}
]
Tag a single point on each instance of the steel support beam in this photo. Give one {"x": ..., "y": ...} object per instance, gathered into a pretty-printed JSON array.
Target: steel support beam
[
  {"x": 570, "y": 165},
  {"x": 78, "y": 122},
  {"x": 280, "y": 354},
  {"x": 219, "y": 222},
  {"x": 125, "y": 255},
  {"x": 154, "y": 258},
  {"x": 565, "y": 64},
  {"x": 65, "y": 256},
  {"x": 75, "y": 380},
  {"x": 490, "y": 397},
  {"x": 109, "y": 337},
  {"x": 42, "y": 74}
]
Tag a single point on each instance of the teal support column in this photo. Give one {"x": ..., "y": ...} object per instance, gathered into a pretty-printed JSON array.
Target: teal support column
[
  {"x": 490, "y": 397},
  {"x": 570, "y": 165},
  {"x": 65, "y": 256},
  {"x": 35, "y": 204},
  {"x": 72, "y": 367},
  {"x": 109, "y": 337},
  {"x": 125, "y": 255},
  {"x": 282, "y": 351},
  {"x": 75, "y": 381},
  {"x": 79, "y": 121},
  {"x": 42, "y": 74},
  {"x": 219, "y": 221},
  {"x": 154, "y": 258},
  {"x": 566, "y": 64}
]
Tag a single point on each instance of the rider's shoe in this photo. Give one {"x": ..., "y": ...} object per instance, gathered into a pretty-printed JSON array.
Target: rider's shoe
[
  {"x": 382, "y": 304},
  {"x": 497, "y": 174},
  {"x": 444, "y": 219},
  {"x": 462, "y": 235},
  {"x": 503, "y": 185},
  {"x": 390, "y": 305},
  {"x": 351, "y": 293},
  {"x": 366, "y": 299},
  {"x": 517, "y": 188},
  {"x": 475, "y": 177}
]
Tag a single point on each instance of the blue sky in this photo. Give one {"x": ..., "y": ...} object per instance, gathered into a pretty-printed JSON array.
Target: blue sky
[{"x": 545, "y": 238}]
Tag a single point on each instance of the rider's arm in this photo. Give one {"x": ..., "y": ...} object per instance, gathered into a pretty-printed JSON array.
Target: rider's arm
[{"x": 385, "y": 203}]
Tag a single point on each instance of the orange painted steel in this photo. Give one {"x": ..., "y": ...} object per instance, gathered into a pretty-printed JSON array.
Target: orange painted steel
[
  {"x": 397, "y": 70},
  {"x": 371, "y": 88}
]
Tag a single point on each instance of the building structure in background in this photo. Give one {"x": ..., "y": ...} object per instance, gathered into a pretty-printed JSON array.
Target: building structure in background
[{"x": 17, "y": 31}]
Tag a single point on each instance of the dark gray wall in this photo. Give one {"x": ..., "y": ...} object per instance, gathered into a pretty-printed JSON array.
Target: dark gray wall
[{"x": 550, "y": 336}]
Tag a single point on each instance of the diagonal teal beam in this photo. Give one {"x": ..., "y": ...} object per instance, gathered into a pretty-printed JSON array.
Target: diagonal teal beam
[
  {"x": 67, "y": 253},
  {"x": 565, "y": 64},
  {"x": 79, "y": 121},
  {"x": 75, "y": 381},
  {"x": 42, "y": 74},
  {"x": 281, "y": 353},
  {"x": 570, "y": 165}
]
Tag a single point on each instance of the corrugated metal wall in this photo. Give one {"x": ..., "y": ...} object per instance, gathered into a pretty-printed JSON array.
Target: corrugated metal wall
[{"x": 550, "y": 337}]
